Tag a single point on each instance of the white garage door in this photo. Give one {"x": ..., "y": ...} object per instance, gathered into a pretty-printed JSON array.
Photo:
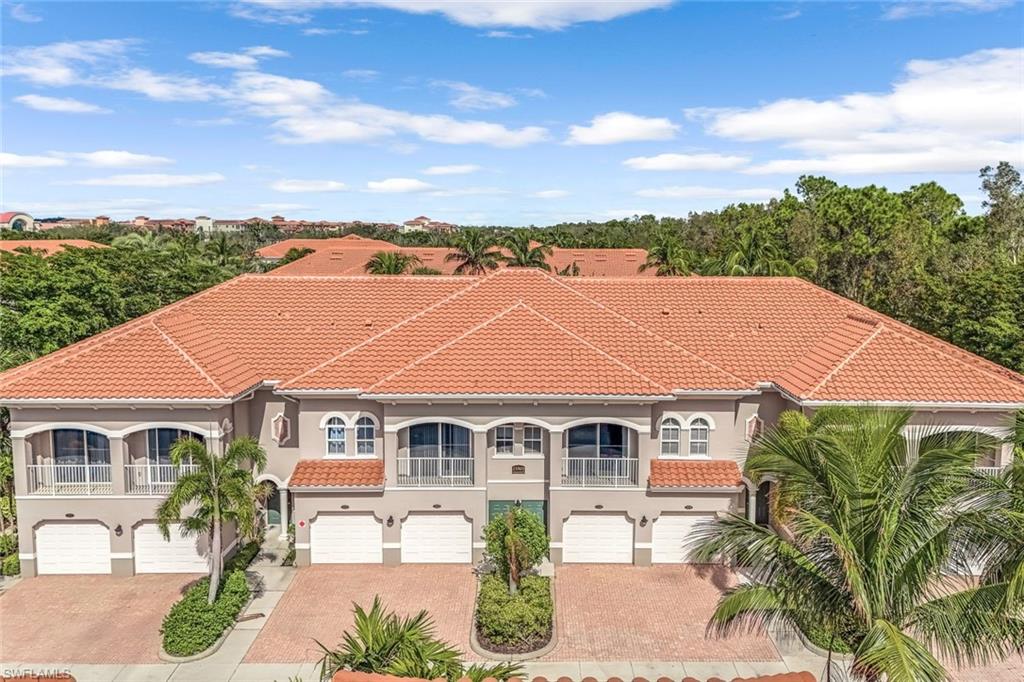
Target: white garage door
[
  {"x": 153, "y": 554},
  {"x": 346, "y": 539},
  {"x": 671, "y": 537},
  {"x": 597, "y": 539},
  {"x": 69, "y": 548},
  {"x": 437, "y": 539}
]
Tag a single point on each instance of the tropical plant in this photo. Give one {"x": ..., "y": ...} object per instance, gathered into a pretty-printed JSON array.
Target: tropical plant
[
  {"x": 752, "y": 251},
  {"x": 383, "y": 642},
  {"x": 524, "y": 252},
  {"x": 222, "y": 489},
  {"x": 669, "y": 258},
  {"x": 474, "y": 252},
  {"x": 426, "y": 270},
  {"x": 570, "y": 270},
  {"x": 141, "y": 241},
  {"x": 516, "y": 541},
  {"x": 391, "y": 263},
  {"x": 875, "y": 529},
  {"x": 224, "y": 250}
]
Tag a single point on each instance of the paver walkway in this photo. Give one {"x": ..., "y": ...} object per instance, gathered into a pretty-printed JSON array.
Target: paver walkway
[{"x": 655, "y": 613}]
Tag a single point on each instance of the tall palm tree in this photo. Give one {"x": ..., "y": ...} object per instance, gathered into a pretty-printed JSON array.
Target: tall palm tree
[
  {"x": 474, "y": 253},
  {"x": 874, "y": 529},
  {"x": 141, "y": 241},
  {"x": 222, "y": 488},
  {"x": 224, "y": 250},
  {"x": 753, "y": 252},
  {"x": 391, "y": 263},
  {"x": 523, "y": 252},
  {"x": 669, "y": 258}
]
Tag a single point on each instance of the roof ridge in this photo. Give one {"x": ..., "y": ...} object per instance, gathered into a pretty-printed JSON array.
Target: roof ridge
[
  {"x": 650, "y": 332},
  {"x": 192, "y": 361},
  {"x": 945, "y": 347},
  {"x": 846, "y": 360},
  {"x": 494, "y": 318},
  {"x": 433, "y": 306},
  {"x": 67, "y": 352}
]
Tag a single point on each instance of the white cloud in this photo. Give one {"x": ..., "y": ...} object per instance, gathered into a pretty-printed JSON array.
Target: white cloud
[
  {"x": 320, "y": 31},
  {"x": 454, "y": 169},
  {"x": 65, "y": 105},
  {"x": 949, "y": 115},
  {"x": 153, "y": 180},
  {"x": 162, "y": 87},
  {"x": 908, "y": 9},
  {"x": 296, "y": 186},
  {"x": 248, "y": 58},
  {"x": 550, "y": 194},
  {"x": 22, "y": 13},
  {"x": 264, "y": 51},
  {"x": 9, "y": 160},
  {"x": 206, "y": 122},
  {"x": 699, "y": 192},
  {"x": 466, "y": 96},
  {"x": 507, "y": 35},
  {"x": 470, "y": 192},
  {"x": 686, "y": 162},
  {"x": 398, "y": 186},
  {"x": 365, "y": 75},
  {"x": 547, "y": 15},
  {"x": 58, "y": 63},
  {"x": 619, "y": 126},
  {"x": 111, "y": 158}
]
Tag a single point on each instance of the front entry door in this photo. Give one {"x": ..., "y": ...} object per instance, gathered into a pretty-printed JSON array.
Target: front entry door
[{"x": 761, "y": 508}]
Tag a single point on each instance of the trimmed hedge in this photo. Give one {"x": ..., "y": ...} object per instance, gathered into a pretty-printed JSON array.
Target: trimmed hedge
[
  {"x": 193, "y": 625},
  {"x": 8, "y": 544},
  {"x": 520, "y": 619},
  {"x": 11, "y": 565}
]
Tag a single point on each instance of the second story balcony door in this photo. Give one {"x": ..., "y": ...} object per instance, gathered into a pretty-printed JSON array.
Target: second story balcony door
[
  {"x": 439, "y": 454},
  {"x": 599, "y": 456}
]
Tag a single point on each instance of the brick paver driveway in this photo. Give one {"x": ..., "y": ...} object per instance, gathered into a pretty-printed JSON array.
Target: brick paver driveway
[
  {"x": 657, "y": 613},
  {"x": 318, "y": 606},
  {"x": 87, "y": 618}
]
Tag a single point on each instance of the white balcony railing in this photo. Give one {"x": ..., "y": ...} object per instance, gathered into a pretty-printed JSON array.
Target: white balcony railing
[
  {"x": 599, "y": 472},
  {"x": 153, "y": 479},
  {"x": 69, "y": 479},
  {"x": 451, "y": 472},
  {"x": 989, "y": 471}
]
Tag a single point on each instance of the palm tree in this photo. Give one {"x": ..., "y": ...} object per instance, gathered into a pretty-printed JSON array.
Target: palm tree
[
  {"x": 669, "y": 258},
  {"x": 752, "y": 251},
  {"x": 523, "y": 252},
  {"x": 223, "y": 250},
  {"x": 391, "y": 263},
  {"x": 384, "y": 643},
  {"x": 874, "y": 530},
  {"x": 570, "y": 270},
  {"x": 141, "y": 241},
  {"x": 221, "y": 488},
  {"x": 474, "y": 252}
]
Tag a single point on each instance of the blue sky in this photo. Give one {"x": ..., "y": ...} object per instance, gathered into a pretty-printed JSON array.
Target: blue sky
[{"x": 495, "y": 112}]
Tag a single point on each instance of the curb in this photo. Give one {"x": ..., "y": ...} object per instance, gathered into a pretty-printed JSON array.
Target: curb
[
  {"x": 478, "y": 648},
  {"x": 818, "y": 651}
]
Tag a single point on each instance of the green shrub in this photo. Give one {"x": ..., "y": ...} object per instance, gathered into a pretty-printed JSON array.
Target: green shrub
[
  {"x": 11, "y": 565},
  {"x": 242, "y": 558},
  {"x": 512, "y": 620},
  {"x": 530, "y": 532},
  {"x": 7, "y": 508},
  {"x": 8, "y": 544},
  {"x": 193, "y": 625}
]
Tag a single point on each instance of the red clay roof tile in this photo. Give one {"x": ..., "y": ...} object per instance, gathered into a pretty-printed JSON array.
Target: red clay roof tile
[
  {"x": 48, "y": 246},
  {"x": 337, "y": 473},
  {"x": 695, "y": 473}
]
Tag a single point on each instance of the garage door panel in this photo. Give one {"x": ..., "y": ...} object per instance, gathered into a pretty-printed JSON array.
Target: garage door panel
[
  {"x": 597, "y": 539},
  {"x": 346, "y": 539},
  {"x": 72, "y": 548},
  {"x": 672, "y": 537},
  {"x": 437, "y": 539},
  {"x": 179, "y": 554}
]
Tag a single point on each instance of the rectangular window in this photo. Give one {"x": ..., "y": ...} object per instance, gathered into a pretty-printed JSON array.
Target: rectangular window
[
  {"x": 533, "y": 443},
  {"x": 424, "y": 440},
  {"x": 504, "y": 439},
  {"x": 69, "y": 446},
  {"x": 614, "y": 441},
  {"x": 582, "y": 441}
]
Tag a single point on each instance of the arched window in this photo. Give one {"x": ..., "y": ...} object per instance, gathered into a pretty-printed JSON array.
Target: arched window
[
  {"x": 670, "y": 438},
  {"x": 699, "y": 431},
  {"x": 335, "y": 432},
  {"x": 366, "y": 432}
]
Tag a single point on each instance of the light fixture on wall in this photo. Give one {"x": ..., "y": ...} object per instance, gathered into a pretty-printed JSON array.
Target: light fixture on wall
[
  {"x": 391, "y": 521},
  {"x": 643, "y": 521},
  {"x": 119, "y": 531},
  {"x": 437, "y": 506}
]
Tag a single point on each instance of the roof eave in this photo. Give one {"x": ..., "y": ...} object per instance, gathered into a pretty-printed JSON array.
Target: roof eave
[
  {"x": 114, "y": 402},
  {"x": 694, "y": 489},
  {"x": 336, "y": 488},
  {"x": 538, "y": 397},
  {"x": 918, "y": 404},
  {"x": 716, "y": 393}
]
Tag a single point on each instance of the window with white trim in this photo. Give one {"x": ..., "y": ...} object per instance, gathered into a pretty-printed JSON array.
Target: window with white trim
[
  {"x": 504, "y": 439},
  {"x": 335, "y": 432},
  {"x": 366, "y": 433},
  {"x": 700, "y": 431},
  {"x": 533, "y": 440},
  {"x": 670, "y": 434}
]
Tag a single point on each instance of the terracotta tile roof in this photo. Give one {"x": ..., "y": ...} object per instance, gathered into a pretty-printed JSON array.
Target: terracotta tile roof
[
  {"x": 48, "y": 246},
  {"x": 515, "y": 331},
  {"x": 349, "y": 241},
  {"x": 337, "y": 473},
  {"x": 695, "y": 473}
]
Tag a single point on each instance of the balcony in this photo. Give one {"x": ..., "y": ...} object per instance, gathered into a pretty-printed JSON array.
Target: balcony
[
  {"x": 444, "y": 472},
  {"x": 69, "y": 479},
  {"x": 599, "y": 472},
  {"x": 153, "y": 479}
]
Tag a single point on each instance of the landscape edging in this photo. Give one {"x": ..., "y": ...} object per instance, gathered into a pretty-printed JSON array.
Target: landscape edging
[
  {"x": 478, "y": 648},
  {"x": 213, "y": 648}
]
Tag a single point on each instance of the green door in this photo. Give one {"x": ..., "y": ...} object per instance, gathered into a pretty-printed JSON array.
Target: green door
[{"x": 538, "y": 507}]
